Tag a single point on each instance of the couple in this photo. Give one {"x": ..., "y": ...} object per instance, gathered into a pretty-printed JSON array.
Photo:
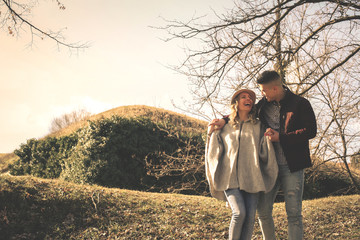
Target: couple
[{"x": 256, "y": 150}]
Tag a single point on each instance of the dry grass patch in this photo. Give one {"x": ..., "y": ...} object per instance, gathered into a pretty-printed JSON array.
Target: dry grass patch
[
  {"x": 34, "y": 208},
  {"x": 5, "y": 160}
]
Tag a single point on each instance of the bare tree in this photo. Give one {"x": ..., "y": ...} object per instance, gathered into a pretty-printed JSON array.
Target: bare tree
[
  {"x": 65, "y": 120},
  {"x": 290, "y": 36},
  {"x": 15, "y": 18},
  {"x": 313, "y": 44},
  {"x": 339, "y": 133}
]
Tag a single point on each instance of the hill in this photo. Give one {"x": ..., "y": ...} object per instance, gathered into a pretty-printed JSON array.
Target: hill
[
  {"x": 126, "y": 147},
  {"x": 180, "y": 169},
  {"x": 33, "y": 208},
  {"x": 5, "y": 160},
  {"x": 157, "y": 115}
]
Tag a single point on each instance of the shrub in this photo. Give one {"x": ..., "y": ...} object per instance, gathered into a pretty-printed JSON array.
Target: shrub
[
  {"x": 111, "y": 152},
  {"x": 133, "y": 153},
  {"x": 43, "y": 158}
]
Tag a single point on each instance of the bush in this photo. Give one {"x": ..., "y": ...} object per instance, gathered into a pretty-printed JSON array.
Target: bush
[
  {"x": 133, "y": 153},
  {"x": 43, "y": 158},
  {"x": 111, "y": 152}
]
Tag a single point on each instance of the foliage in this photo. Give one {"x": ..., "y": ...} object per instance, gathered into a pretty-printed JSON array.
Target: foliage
[
  {"x": 111, "y": 152},
  {"x": 43, "y": 158},
  {"x": 132, "y": 153},
  {"x": 53, "y": 209}
]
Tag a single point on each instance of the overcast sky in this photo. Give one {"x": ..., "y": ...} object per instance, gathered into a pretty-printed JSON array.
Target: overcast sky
[{"x": 125, "y": 64}]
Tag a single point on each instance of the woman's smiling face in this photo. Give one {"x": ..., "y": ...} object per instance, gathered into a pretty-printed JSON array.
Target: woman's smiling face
[{"x": 245, "y": 103}]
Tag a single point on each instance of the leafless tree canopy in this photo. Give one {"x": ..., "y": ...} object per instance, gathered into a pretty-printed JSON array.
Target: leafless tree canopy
[
  {"x": 65, "y": 120},
  {"x": 313, "y": 44},
  {"x": 15, "y": 17}
]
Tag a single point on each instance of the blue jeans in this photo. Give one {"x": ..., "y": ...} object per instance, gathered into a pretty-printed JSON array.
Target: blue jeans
[
  {"x": 243, "y": 206},
  {"x": 292, "y": 185}
]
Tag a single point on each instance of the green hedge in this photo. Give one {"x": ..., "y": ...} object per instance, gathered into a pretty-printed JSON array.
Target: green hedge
[
  {"x": 43, "y": 158},
  {"x": 111, "y": 152}
]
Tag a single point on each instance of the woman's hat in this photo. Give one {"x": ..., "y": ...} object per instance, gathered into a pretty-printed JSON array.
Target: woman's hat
[{"x": 237, "y": 93}]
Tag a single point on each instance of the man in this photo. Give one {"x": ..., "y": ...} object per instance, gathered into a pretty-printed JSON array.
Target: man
[{"x": 290, "y": 122}]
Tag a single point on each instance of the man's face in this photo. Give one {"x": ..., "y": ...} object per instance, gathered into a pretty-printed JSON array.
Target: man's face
[{"x": 268, "y": 91}]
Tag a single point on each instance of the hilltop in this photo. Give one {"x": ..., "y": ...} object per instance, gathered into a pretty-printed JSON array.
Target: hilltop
[
  {"x": 34, "y": 208},
  {"x": 157, "y": 115}
]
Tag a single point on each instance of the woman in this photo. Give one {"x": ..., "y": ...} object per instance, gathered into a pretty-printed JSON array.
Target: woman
[{"x": 240, "y": 162}]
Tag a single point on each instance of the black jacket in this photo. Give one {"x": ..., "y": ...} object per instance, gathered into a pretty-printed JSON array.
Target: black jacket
[{"x": 297, "y": 126}]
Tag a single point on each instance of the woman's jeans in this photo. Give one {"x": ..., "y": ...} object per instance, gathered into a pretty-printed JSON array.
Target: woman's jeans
[
  {"x": 243, "y": 206},
  {"x": 292, "y": 185}
]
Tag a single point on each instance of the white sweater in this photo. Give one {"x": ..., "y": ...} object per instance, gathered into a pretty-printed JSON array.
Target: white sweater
[{"x": 240, "y": 158}]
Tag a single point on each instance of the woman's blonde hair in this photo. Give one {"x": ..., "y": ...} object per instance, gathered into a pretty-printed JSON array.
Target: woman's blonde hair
[{"x": 234, "y": 115}]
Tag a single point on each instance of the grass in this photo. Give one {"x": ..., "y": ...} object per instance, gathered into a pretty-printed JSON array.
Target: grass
[{"x": 33, "y": 208}]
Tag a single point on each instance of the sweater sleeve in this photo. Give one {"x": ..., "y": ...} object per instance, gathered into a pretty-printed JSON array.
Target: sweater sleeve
[
  {"x": 268, "y": 163},
  {"x": 263, "y": 150},
  {"x": 214, "y": 151}
]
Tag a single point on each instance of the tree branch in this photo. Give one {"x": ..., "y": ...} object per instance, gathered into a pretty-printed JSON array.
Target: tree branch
[{"x": 53, "y": 36}]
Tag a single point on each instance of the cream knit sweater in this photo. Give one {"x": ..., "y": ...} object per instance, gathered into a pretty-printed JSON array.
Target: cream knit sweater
[{"x": 240, "y": 158}]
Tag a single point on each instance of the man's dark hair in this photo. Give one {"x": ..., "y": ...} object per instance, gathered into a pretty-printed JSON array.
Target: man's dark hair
[{"x": 267, "y": 76}]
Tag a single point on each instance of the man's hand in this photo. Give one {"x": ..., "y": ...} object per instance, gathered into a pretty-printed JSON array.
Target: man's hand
[
  {"x": 273, "y": 135},
  {"x": 216, "y": 124}
]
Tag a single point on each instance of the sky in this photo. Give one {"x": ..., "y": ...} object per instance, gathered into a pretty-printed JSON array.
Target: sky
[{"x": 126, "y": 63}]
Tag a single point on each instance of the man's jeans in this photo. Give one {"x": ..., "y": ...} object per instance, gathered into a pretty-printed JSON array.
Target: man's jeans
[
  {"x": 243, "y": 206},
  {"x": 292, "y": 185}
]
